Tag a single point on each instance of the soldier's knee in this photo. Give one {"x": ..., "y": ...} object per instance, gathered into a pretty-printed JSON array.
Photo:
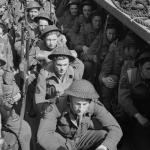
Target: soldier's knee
[
  {"x": 47, "y": 145},
  {"x": 25, "y": 133},
  {"x": 101, "y": 133}
]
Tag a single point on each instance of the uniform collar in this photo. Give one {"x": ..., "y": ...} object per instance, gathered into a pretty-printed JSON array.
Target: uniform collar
[{"x": 50, "y": 69}]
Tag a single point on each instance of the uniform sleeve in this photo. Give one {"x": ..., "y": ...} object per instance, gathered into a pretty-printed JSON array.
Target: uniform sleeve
[
  {"x": 124, "y": 95},
  {"x": 110, "y": 125},
  {"x": 78, "y": 67},
  {"x": 76, "y": 26},
  {"x": 95, "y": 46},
  {"x": 32, "y": 56},
  {"x": 81, "y": 41},
  {"x": 40, "y": 92},
  {"x": 9, "y": 55},
  {"x": 107, "y": 64}
]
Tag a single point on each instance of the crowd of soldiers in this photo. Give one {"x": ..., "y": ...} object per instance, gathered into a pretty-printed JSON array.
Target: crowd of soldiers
[{"x": 72, "y": 77}]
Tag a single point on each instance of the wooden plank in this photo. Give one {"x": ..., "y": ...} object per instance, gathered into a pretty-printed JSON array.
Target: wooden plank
[{"x": 138, "y": 29}]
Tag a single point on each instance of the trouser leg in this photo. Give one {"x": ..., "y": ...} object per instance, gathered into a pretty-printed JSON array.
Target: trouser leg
[
  {"x": 91, "y": 140},
  {"x": 25, "y": 131},
  {"x": 107, "y": 95},
  {"x": 50, "y": 140}
]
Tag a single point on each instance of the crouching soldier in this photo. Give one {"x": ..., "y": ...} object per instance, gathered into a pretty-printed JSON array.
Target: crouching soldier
[
  {"x": 9, "y": 95},
  {"x": 72, "y": 126}
]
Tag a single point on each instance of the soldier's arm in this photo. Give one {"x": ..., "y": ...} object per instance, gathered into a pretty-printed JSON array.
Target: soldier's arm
[
  {"x": 40, "y": 92},
  {"x": 114, "y": 132},
  {"x": 32, "y": 56},
  {"x": 81, "y": 41},
  {"x": 76, "y": 26},
  {"x": 124, "y": 96},
  {"x": 9, "y": 55},
  {"x": 78, "y": 67},
  {"x": 94, "y": 47},
  {"x": 107, "y": 65}
]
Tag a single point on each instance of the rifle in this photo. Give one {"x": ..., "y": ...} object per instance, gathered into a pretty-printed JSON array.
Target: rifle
[{"x": 25, "y": 46}]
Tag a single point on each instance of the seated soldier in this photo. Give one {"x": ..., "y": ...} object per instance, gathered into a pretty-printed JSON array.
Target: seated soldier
[
  {"x": 57, "y": 76},
  {"x": 84, "y": 18},
  {"x": 71, "y": 125},
  {"x": 88, "y": 33},
  {"x": 134, "y": 97},
  {"x": 67, "y": 20},
  {"x": 110, "y": 74},
  {"x": 9, "y": 95}
]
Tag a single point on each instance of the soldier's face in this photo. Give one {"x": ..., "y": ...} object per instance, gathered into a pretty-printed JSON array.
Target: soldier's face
[
  {"x": 51, "y": 41},
  {"x": 130, "y": 51},
  {"x": 42, "y": 24},
  {"x": 87, "y": 11},
  {"x": 146, "y": 70},
  {"x": 33, "y": 13},
  {"x": 2, "y": 9},
  {"x": 61, "y": 66},
  {"x": 28, "y": 1},
  {"x": 73, "y": 10},
  {"x": 96, "y": 22},
  {"x": 111, "y": 34},
  {"x": 79, "y": 105},
  {"x": 42, "y": 1}
]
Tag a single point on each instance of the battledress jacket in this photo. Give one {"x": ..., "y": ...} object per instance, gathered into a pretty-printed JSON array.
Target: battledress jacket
[{"x": 62, "y": 122}]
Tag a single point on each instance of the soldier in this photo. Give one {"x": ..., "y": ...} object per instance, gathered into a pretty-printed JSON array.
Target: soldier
[
  {"x": 50, "y": 37},
  {"x": 43, "y": 20},
  {"x": 134, "y": 95},
  {"x": 131, "y": 51},
  {"x": 32, "y": 12},
  {"x": 88, "y": 33},
  {"x": 67, "y": 20},
  {"x": 10, "y": 94},
  {"x": 57, "y": 75},
  {"x": 110, "y": 74},
  {"x": 71, "y": 126},
  {"x": 84, "y": 18}
]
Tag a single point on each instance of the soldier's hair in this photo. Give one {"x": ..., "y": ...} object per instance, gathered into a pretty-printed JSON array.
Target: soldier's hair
[
  {"x": 60, "y": 57},
  {"x": 53, "y": 32}
]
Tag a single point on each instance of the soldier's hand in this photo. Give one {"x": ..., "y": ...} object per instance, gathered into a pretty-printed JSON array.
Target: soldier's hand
[
  {"x": 85, "y": 49},
  {"x": 101, "y": 147},
  {"x": 142, "y": 120},
  {"x": 109, "y": 82},
  {"x": 31, "y": 77},
  {"x": 17, "y": 97},
  {"x": 74, "y": 53},
  {"x": 59, "y": 89}
]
